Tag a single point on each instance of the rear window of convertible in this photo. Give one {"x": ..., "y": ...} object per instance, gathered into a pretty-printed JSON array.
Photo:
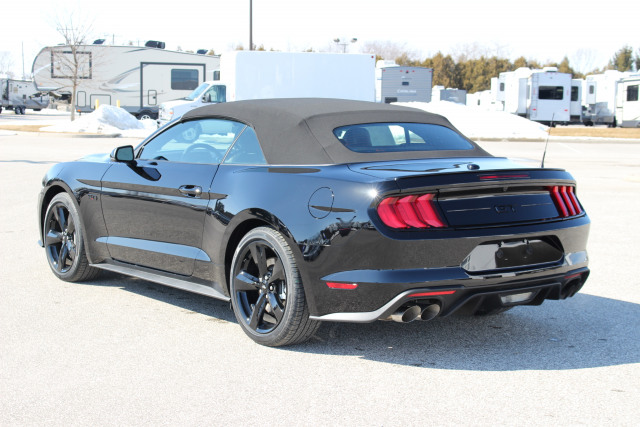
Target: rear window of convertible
[{"x": 393, "y": 137}]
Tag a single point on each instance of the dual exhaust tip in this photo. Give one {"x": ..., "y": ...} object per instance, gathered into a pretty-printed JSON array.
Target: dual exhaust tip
[{"x": 410, "y": 313}]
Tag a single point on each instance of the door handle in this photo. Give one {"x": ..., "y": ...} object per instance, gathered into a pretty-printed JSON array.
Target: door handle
[{"x": 191, "y": 190}]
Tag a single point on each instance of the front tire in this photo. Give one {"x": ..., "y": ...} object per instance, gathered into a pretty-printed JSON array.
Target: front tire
[
  {"x": 63, "y": 241},
  {"x": 267, "y": 296}
]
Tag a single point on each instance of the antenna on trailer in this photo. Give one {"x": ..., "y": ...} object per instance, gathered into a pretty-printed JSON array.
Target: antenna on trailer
[{"x": 546, "y": 143}]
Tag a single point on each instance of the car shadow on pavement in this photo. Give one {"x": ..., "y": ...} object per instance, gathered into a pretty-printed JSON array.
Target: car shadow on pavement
[
  {"x": 585, "y": 331},
  {"x": 582, "y": 332},
  {"x": 188, "y": 301}
]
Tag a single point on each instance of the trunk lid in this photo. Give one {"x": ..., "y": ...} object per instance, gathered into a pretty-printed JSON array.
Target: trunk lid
[{"x": 476, "y": 192}]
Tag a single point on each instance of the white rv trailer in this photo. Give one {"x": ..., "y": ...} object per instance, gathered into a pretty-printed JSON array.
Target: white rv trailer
[
  {"x": 139, "y": 79},
  {"x": 549, "y": 96},
  {"x": 599, "y": 97},
  {"x": 395, "y": 83},
  {"x": 628, "y": 102},
  {"x": 512, "y": 90},
  {"x": 575, "y": 109},
  {"x": 20, "y": 95},
  {"x": 257, "y": 75}
]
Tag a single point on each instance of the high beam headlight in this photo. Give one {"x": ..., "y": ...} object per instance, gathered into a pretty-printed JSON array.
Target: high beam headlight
[{"x": 516, "y": 298}]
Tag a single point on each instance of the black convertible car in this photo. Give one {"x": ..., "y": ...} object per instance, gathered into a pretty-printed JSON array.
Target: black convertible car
[{"x": 307, "y": 210}]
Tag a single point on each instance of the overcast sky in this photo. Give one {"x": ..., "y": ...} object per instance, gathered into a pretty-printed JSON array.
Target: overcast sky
[{"x": 587, "y": 31}]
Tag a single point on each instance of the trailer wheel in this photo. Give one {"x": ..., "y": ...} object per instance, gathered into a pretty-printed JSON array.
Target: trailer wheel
[{"x": 145, "y": 115}]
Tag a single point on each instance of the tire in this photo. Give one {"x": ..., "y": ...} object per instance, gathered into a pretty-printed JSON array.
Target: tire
[
  {"x": 64, "y": 241},
  {"x": 267, "y": 296},
  {"x": 145, "y": 114}
]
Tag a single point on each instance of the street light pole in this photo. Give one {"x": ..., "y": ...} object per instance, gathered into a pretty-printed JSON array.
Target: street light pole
[{"x": 344, "y": 43}]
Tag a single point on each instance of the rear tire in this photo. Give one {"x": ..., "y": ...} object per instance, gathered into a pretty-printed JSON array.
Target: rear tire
[
  {"x": 64, "y": 241},
  {"x": 145, "y": 115},
  {"x": 267, "y": 296}
]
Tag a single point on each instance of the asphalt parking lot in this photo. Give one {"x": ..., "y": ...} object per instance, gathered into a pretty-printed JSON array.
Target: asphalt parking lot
[{"x": 123, "y": 351}]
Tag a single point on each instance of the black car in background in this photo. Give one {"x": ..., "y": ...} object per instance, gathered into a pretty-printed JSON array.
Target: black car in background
[{"x": 307, "y": 210}]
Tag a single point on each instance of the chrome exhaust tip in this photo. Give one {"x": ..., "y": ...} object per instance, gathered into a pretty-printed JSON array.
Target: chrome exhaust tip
[
  {"x": 430, "y": 311},
  {"x": 406, "y": 314}
]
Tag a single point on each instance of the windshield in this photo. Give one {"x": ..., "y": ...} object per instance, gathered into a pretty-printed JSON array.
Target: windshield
[
  {"x": 197, "y": 92},
  {"x": 389, "y": 137}
]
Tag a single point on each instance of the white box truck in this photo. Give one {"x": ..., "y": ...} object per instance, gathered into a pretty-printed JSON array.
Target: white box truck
[
  {"x": 628, "y": 102},
  {"x": 260, "y": 74},
  {"x": 18, "y": 95},
  {"x": 396, "y": 83},
  {"x": 137, "y": 78}
]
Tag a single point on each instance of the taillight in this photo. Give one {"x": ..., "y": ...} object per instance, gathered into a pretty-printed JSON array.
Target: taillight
[
  {"x": 565, "y": 200},
  {"x": 415, "y": 211}
]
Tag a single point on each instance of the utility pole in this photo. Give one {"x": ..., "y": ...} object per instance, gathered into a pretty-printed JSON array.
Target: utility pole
[{"x": 250, "y": 24}]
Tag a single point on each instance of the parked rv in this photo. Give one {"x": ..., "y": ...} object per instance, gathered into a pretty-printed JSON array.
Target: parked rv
[
  {"x": 18, "y": 95},
  {"x": 540, "y": 95},
  {"x": 402, "y": 84},
  {"x": 259, "y": 74},
  {"x": 139, "y": 79},
  {"x": 599, "y": 97},
  {"x": 628, "y": 102},
  {"x": 512, "y": 90}
]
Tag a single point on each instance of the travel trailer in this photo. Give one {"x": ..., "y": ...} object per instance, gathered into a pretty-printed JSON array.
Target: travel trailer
[
  {"x": 549, "y": 96},
  {"x": 540, "y": 95},
  {"x": 259, "y": 74},
  {"x": 18, "y": 95},
  {"x": 628, "y": 102},
  {"x": 396, "y": 83},
  {"x": 137, "y": 79},
  {"x": 599, "y": 97}
]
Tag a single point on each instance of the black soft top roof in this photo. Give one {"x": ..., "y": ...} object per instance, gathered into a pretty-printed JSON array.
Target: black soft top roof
[{"x": 299, "y": 131}]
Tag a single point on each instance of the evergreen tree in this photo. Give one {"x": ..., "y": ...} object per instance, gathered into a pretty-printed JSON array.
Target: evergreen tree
[{"x": 622, "y": 60}]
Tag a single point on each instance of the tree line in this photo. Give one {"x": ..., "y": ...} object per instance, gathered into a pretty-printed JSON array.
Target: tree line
[{"x": 474, "y": 74}]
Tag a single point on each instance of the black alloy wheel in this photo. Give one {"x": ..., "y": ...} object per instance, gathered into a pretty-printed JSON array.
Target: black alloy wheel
[
  {"x": 63, "y": 241},
  {"x": 266, "y": 291}
]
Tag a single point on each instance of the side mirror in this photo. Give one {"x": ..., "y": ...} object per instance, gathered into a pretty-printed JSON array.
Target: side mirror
[
  {"x": 206, "y": 97},
  {"x": 122, "y": 154}
]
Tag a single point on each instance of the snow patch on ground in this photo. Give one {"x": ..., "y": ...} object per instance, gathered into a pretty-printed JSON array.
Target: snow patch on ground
[
  {"x": 7, "y": 132},
  {"x": 109, "y": 120},
  {"x": 476, "y": 123}
]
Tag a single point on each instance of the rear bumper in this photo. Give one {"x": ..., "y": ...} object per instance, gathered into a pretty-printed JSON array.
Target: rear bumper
[{"x": 458, "y": 298}]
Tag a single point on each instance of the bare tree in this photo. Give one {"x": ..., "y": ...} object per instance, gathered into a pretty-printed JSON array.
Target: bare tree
[
  {"x": 387, "y": 49},
  {"x": 6, "y": 64},
  {"x": 73, "y": 61},
  {"x": 583, "y": 60}
]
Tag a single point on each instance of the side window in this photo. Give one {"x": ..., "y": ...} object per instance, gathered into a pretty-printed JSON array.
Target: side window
[
  {"x": 216, "y": 93},
  {"x": 182, "y": 79},
  {"x": 246, "y": 150},
  {"x": 196, "y": 141},
  {"x": 632, "y": 93}
]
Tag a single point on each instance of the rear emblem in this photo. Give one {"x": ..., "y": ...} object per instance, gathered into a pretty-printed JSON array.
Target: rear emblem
[{"x": 501, "y": 209}]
